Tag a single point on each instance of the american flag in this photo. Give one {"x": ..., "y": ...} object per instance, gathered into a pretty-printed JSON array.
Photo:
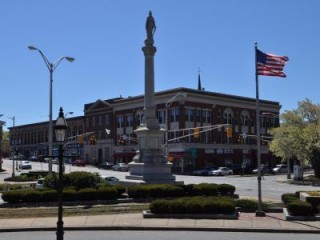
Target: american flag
[{"x": 269, "y": 64}]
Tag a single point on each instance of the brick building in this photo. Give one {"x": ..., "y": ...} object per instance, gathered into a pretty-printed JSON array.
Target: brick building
[{"x": 112, "y": 123}]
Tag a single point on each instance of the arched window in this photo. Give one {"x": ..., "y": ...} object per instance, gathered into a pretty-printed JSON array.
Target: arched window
[
  {"x": 228, "y": 116},
  {"x": 245, "y": 118}
]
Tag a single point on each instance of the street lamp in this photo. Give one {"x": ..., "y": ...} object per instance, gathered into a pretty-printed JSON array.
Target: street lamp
[
  {"x": 51, "y": 67},
  {"x": 60, "y": 130},
  {"x": 168, "y": 104},
  {"x": 13, "y": 141}
]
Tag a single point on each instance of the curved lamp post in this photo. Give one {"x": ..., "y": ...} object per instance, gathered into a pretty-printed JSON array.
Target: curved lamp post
[
  {"x": 60, "y": 131},
  {"x": 168, "y": 104},
  {"x": 51, "y": 67}
]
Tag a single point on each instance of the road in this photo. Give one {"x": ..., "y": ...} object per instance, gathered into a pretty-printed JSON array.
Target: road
[
  {"x": 272, "y": 186},
  {"x": 156, "y": 235}
]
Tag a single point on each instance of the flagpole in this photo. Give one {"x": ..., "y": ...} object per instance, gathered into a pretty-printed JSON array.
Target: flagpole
[{"x": 259, "y": 212}]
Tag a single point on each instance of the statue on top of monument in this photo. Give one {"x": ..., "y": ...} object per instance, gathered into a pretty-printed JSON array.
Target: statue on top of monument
[{"x": 150, "y": 26}]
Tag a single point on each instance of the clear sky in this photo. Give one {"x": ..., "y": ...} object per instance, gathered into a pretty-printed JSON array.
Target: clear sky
[{"x": 106, "y": 36}]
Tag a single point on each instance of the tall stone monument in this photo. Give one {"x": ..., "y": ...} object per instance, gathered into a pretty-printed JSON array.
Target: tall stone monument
[{"x": 150, "y": 164}]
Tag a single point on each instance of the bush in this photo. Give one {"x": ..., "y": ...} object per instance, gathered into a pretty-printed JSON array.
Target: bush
[
  {"x": 12, "y": 196},
  {"x": 249, "y": 205},
  {"x": 107, "y": 193},
  {"x": 78, "y": 180},
  {"x": 49, "y": 195},
  {"x": 300, "y": 208},
  {"x": 289, "y": 197},
  {"x": 28, "y": 196},
  {"x": 226, "y": 189},
  {"x": 193, "y": 205}
]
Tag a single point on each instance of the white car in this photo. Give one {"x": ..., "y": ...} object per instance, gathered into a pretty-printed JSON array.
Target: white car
[
  {"x": 39, "y": 183},
  {"x": 221, "y": 171},
  {"x": 121, "y": 167},
  {"x": 280, "y": 168},
  {"x": 25, "y": 165}
]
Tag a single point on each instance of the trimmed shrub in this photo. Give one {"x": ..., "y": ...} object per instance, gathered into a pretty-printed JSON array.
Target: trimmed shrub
[
  {"x": 49, "y": 195},
  {"x": 205, "y": 189},
  {"x": 289, "y": 197},
  {"x": 194, "y": 205},
  {"x": 300, "y": 208},
  {"x": 159, "y": 206},
  {"x": 70, "y": 195},
  {"x": 31, "y": 196},
  {"x": 107, "y": 193},
  {"x": 249, "y": 205},
  {"x": 226, "y": 189},
  {"x": 120, "y": 190},
  {"x": 12, "y": 196},
  {"x": 86, "y": 194}
]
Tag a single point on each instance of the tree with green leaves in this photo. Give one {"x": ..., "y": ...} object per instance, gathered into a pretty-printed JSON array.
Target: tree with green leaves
[{"x": 299, "y": 135}]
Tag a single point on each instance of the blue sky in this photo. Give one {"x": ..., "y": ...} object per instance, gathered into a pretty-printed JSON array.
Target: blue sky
[{"x": 106, "y": 36}]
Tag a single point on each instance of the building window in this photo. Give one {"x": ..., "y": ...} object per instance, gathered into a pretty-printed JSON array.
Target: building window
[
  {"x": 120, "y": 121},
  {"x": 139, "y": 117},
  {"x": 206, "y": 116},
  {"x": 107, "y": 119},
  {"x": 129, "y": 119},
  {"x": 162, "y": 116},
  {"x": 100, "y": 120},
  {"x": 198, "y": 115},
  {"x": 174, "y": 114},
  {"x": 189, "y": 115}
]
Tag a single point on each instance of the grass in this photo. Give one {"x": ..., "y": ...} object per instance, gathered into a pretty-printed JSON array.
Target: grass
[{"x": 29, "y": 212}]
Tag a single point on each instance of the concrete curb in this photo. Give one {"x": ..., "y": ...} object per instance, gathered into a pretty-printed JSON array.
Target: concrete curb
[{"x": 136, "y": 228}]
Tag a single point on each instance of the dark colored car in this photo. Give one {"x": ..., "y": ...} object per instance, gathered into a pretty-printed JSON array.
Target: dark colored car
[
  {"x": 105, "y": 165},
  {"x": 79, "y": 162},
  {"x": 203, "y": 172}
]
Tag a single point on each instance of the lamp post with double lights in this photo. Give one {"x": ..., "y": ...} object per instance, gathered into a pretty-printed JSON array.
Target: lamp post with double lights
[
  {"x": 13, "y": 141},
  {"x": 51, "y": 67},
  {"x": 60, "y": 131},
  {"x": 168, "y": 104}
]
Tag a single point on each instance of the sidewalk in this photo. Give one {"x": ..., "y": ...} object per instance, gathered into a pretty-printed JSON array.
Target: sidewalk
[{"x": 247, "y": 222}]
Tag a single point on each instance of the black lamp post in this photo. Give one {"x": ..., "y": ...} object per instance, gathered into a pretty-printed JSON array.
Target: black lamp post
[{"x": 60, "y": 130}]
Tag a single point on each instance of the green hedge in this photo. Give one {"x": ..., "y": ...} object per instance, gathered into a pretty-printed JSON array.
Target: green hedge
[
  {"x": 289, "y": 197},
  {"x": 193, "y": 205},
  {"x": 47, "y": 195},
  {"x": 300, "y": 208},
  {"x": 78, "y": 180},
  {"x": 169, "y": 190},
  {"x": 249, "y": 205}
]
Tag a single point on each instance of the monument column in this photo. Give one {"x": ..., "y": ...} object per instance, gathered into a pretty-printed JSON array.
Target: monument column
[{"x": 150, "y": 164}]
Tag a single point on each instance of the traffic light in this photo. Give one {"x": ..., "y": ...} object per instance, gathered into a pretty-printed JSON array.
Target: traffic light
[
  {"x": 92, "y": 140},
  {"x": 229, "y": 132},
  {"x": 196, "y": 133},
  {"x": 239, "y": 139},
  {"x": 80, "y": 139},
  {"x": 121, "y": 141}
]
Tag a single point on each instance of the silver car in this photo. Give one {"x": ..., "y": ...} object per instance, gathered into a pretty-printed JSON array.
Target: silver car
[
  {"x": 221, "y": 171},
  {"x": 121, "y": 167}
]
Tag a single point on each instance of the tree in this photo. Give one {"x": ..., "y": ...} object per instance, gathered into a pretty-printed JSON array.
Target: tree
[{"x": 299, "y": 135}]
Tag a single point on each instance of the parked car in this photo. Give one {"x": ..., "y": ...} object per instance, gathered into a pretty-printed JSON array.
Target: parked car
[
  {"x": 25, "y": 165},
  {"x": 203, "y": 172},
  {"x": 121, "y": 167},
  {"x": 111, "y": 180},
  {"x": 105, "y": 165},
  {"x": 39, "y": 183},
  {"x": 55, "y": 161},
  {"x": 264, "y": 170},
  {"x": 280, "y": 168},
  {"x": 221, "y": 171},
  {"x": 79, "y": 162},
  {"x": 32, "y": 158}
]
